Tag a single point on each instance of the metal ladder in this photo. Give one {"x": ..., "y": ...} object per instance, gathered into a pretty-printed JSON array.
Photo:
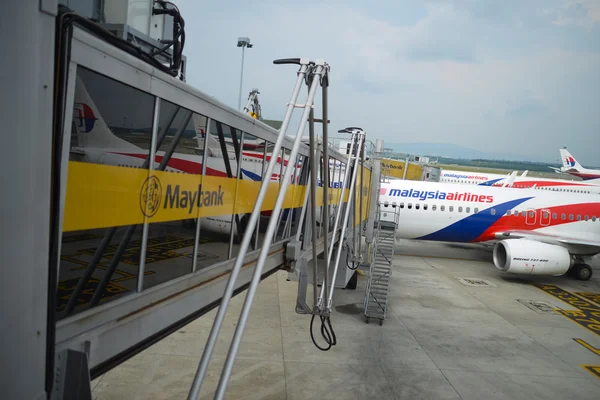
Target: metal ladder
[{"x": 380, "y": 272}]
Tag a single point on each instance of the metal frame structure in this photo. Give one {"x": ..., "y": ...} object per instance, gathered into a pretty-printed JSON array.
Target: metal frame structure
[{"x": 88, "y": 343}]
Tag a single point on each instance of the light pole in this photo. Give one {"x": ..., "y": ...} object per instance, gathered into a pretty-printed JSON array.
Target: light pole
[{"x": 242, "y": 42}]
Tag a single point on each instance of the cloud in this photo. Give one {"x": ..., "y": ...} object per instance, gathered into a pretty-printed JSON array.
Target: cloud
[{"x": 440, "y": 71}]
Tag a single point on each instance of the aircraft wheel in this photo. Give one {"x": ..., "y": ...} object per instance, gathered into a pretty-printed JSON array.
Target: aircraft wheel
[{"x": 582, "y": 272}]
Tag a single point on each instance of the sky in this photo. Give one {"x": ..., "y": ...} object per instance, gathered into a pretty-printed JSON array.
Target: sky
[{"x": 511, "y": 76}]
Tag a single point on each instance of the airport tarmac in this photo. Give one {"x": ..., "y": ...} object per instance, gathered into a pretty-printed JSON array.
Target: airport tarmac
[{"x": 457, "y": 328}]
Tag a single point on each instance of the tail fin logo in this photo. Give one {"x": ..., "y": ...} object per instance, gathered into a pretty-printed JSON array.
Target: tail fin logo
[
  {"x": 84, "y": 117},
  {"x": 570, "y": 161}
]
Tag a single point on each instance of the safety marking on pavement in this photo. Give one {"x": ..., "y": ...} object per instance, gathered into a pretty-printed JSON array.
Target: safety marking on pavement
[
  {"x": 591, "y": 296},
  {"x": 593, "y": 369},
  {"x": 158, "y": 249},
  {"x": 588, "y": 346},
  {"x": 66, "y": 288},
  {"x": 587, "y": 314}
]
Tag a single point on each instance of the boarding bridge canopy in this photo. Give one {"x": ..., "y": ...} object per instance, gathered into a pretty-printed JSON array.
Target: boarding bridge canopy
[{"x": 148, "y": 246}]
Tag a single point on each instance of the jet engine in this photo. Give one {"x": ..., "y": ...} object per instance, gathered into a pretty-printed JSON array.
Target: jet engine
[{"x": 523, "y": 256}]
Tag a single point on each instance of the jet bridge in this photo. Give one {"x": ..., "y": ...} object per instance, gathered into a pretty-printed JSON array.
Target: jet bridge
[{"x": 152, "y": 203}]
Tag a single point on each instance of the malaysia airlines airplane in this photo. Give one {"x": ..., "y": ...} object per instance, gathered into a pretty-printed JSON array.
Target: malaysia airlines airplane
[
  {"x": 572, "y": 167},
  {"x": 522, "y": 181},
  {"x": 96, "y": 143},
  {"x": 533, "y": 232}
]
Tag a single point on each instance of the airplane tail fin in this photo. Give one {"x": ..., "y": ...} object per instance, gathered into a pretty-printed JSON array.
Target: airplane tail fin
[
  {"x": 569, "y": 162},
  {"x": 511, "y": 179},
  {"x": 213, "y": 146},
  {"x": 92, "y": 130}
]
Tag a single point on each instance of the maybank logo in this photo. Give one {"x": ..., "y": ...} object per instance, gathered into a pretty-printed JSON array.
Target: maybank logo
[
  {"x": 437, "y": 195},
  {"x": 150, "y": 196},
  {"x": 187, "y": 199}
]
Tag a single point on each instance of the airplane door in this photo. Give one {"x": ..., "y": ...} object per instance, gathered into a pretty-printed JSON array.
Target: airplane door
[
  {"x": 545, "y": 217},
  {"x": 530, "y": 217}
]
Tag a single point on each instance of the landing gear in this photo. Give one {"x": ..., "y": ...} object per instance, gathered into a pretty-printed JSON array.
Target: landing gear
[{"x": 582, "y": 272}]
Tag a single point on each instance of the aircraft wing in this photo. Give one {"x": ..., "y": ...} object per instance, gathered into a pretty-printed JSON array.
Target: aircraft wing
[{"x": 574, "y": 245}]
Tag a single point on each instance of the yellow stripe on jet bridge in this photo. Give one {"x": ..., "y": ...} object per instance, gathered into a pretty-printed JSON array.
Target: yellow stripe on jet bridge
[{"x": 101, "y": 196}]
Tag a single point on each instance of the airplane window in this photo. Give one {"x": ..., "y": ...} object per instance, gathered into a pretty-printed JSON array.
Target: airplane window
[
  {"x": 593, "y": 218},
  {"x": 508, "y": 212},
  {"x": 393, "y": 204},
  {"x": 451, "y": 208},
  {"x": 523, "y": 213},
  {"x": 468, "y": 209},
  {"x": 493, "y": 211},
  {"x": 442, "y": 208},
  {"x": 516, "y": 213},
  {"x": 417, "y": 206},
  {"x": 386, "y": 204},
  {"x": 563, "y": 216},
  {"x": 424, "y": 206},
  {"x": 460, "y": 209},
  {"x": 433, "y": 207},
  {"x": 570, "y": 217},
  {"x": 578, "y": 217},
  {"x": 476, "y": 210},
  {"x": 531, "y": 214},
  {"x": 401, "y": 205},
  {"x": 545, "y": 214},
  {"x": 409, "y": 206},
  {"x": 586, "y": 218},
  {"x": 554, "y": 216}
]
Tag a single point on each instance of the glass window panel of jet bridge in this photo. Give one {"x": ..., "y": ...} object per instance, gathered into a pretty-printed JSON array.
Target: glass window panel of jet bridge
[
  {"x": 301, "y": 182},
  {"x": 220, "y": 181},
  {"x": 290, "y": 215},
  {"x": 255, "y": 160},
  {"x": 170, "y": 246},
  {"x": 247, "y": 165},
  {"x": 111, "y": 127}
]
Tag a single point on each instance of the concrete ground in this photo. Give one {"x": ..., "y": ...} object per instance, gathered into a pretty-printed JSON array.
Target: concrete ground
[{"x": 443, "y": 339}]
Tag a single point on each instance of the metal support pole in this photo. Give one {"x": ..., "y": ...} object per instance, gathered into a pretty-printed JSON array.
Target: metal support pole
[
  {"x": 339, "y": 252},
  {"x": 314, "y": 170},
  {"x": 241, "y": 79},
  {"x": 237, "y": 336},
  {"x": 329, "y": 251},
  {"x": 235, "y": 216},
  {"x": 325, "y": 167},
  {"x": 375, "y": 185},
  {"x": 199, "y": 209},
  {"x": 144, "y": 241},
  {"x": 218, "y": 322}
]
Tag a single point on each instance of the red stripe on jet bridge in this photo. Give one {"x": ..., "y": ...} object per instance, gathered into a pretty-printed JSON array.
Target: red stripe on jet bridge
[
  {"x": 520, "y": 222},
  {"x": 190, "y": 167}
]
